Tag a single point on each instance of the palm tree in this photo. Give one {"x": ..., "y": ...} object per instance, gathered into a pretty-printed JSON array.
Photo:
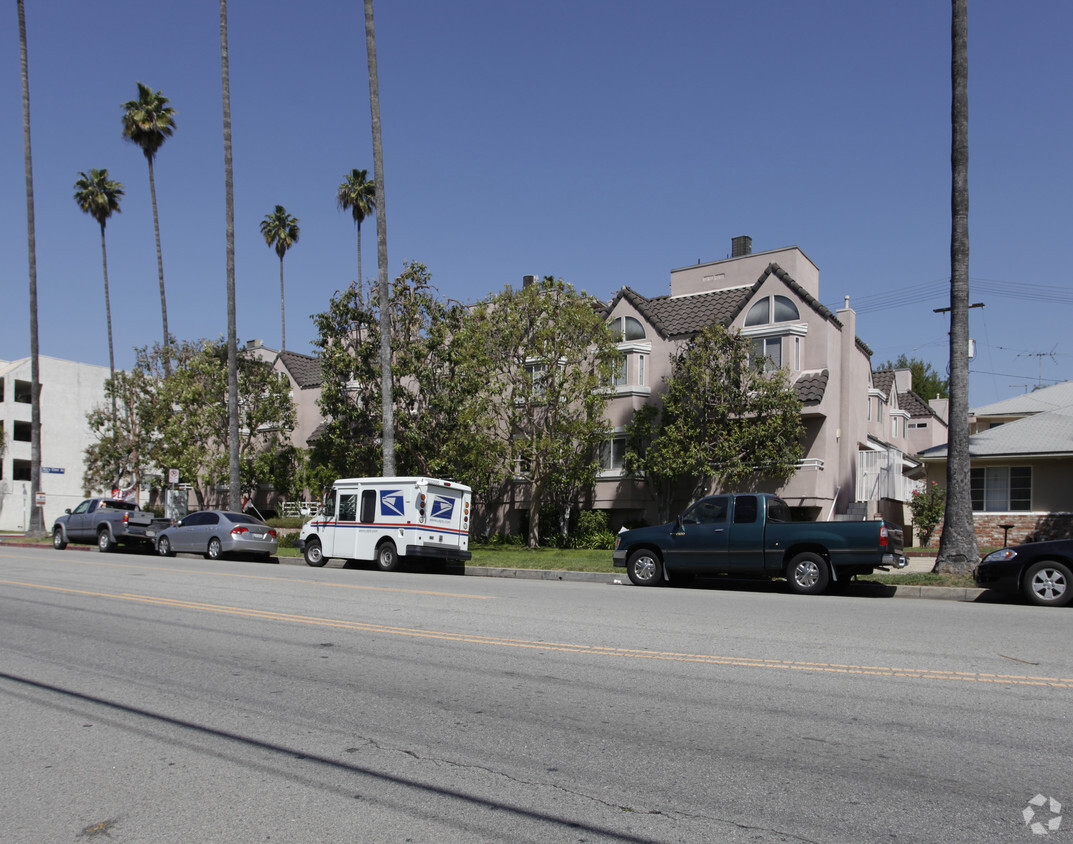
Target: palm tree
[
  {"x": 358, "y": 194},
  {"x": 148, "y": 121},
  {"x": 384, "y": 295},
  {"x": 234, "y": 494},
  {"x": 958, "y": 550},
  {"x": 280, "y": 229},
  {"x": 37, "y": 524},
  {"x": 98, "y": 196}
]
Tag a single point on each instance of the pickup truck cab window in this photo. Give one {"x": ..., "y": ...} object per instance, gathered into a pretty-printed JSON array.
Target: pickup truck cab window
[
  {"x": 83, "y": 507},
  {"x": 745, "y": 509},
  {"x": 707, "y": 511},
  {"x": 778, "y": 511}
]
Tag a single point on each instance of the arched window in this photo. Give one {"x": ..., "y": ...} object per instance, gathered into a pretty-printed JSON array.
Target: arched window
[
  {"x": 772, "y": 309},
  {"x": 627, "y": 329}
]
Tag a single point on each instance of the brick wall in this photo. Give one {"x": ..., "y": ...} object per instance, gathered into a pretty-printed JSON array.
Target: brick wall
[{"x": 1027, "y": 527}]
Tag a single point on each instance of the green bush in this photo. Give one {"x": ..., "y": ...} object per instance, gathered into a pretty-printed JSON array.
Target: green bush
[
  {"x": 928, "y": 508},
  {"x": 591, "y": 532}
]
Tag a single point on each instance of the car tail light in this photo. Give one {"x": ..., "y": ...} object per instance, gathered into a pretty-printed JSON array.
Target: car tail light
[
  {"x": 126, "y": 517},
  {"x": 236, "y": 531},
  {"x": 883, "y": 536},
  {"x": 272, "y": 533}
]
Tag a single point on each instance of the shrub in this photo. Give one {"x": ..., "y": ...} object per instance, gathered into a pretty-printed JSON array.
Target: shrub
[{"x": 928, "y": 508}]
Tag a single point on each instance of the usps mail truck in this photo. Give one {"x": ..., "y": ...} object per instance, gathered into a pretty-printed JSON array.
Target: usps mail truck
[{"x": 388, "y": 520}]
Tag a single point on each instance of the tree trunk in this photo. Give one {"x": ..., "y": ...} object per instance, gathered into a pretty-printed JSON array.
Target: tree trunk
[
  {"x": 234, "y": 473},
  {"x": 958, "y": 551},
  {"x": 111, "y": 352},
  {"x": 282, "y": 311},
  {"x": 386, "y": 396},
  {"x": 160, "y": 270},
  {"x": 361, "y": 283},
  {"x": 36, "y": 526}
]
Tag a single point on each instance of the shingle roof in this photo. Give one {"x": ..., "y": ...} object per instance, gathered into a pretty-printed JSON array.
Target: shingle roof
[
  {"x": 304, "y": 369},
  {"x": 811, "y": 386},
  {"x": 681, "y": 316},
  {"x": 1039, "y": 401},
  {"x": 1049, "y": 433},
  {"x": 883, "y": 380}
]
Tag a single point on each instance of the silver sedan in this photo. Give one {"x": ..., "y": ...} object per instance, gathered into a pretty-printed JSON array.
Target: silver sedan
[{"x": 218, "y": 532}]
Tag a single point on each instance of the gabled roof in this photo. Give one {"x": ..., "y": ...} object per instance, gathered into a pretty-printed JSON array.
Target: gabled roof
[
  {"x": 1044, "y": 434},
  {"x": 304, "y": 369},
  {"x": 883, "y": 380},
  {"x": 676, "y": 317},
  {"x": 917, "y": 407},
  {"x": 1038, "y": 401}
]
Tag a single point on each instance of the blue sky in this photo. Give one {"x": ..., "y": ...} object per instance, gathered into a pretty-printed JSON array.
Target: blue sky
[{"x": 601, "y": 142}]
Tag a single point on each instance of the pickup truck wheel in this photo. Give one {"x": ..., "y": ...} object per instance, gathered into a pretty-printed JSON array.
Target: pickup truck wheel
[
  {"x": 644, "y": 568},
  {"x": 215, "y": 551},
  {"x": 808, "y": 574},
  {"x": 314, "y": 554},
  {"x": 58, "y": 542},
  {"x": 1048, "y": 583},
  {"x": 105, "y": 543},
  {"x": 163, "y": 547},
  {"x": 387, "y": 558}
]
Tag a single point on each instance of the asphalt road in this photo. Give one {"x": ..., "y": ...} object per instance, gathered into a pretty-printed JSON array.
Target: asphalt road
[{"x": 177, "y": 700}]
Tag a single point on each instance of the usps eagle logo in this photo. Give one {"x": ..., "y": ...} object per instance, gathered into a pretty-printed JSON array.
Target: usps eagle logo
[
  {"x": 442, "y": 508},
  {"x": 392, "y": 503}
]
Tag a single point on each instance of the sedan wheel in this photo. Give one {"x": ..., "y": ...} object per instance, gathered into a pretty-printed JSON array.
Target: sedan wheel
[
  {"x": 215, "y": 551},
  {"x": 163, "y": 547},
  {"x": 1048, "y": 584},
  {"x": 644, "y": 568}
]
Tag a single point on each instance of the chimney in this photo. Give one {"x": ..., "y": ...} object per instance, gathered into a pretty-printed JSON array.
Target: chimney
[
  {"x": 254, "y": 344},
  {"x": 740, "y": 246},
  {"x": 528, "y": 279}
]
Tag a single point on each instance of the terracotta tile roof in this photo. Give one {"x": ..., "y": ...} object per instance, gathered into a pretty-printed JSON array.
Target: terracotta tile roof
[
  {"x": 304, "y": 369},
  {"x": 811, "y": 386}
]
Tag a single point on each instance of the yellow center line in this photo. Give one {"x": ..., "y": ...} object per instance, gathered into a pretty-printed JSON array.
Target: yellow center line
[{"x": 566, "y": 647}]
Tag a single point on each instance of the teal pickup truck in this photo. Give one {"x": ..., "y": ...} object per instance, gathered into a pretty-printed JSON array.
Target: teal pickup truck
[{"x": 752, "y": 535}]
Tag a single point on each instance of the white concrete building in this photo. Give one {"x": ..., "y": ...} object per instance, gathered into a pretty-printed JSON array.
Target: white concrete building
[{"x": 69, "y": 390}]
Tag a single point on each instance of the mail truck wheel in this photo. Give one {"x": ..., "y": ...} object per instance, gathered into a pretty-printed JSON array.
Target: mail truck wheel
[
  {"x": 314, "y": 554},
  {"x": 808, "y": 574},
  {"x": 58, "y": 542},
  {"x": 644, "y": 568},
  {"x": 387, "y": 558}
]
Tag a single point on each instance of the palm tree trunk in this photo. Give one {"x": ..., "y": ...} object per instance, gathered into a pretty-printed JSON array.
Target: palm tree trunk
[
  {"x": 386, "y": 395},
  {"x": 282, "y": 311},
  {"x": 160, "y": 270},
  {"x": 234, "y": 469},
  {"x": 958, "y": 550},
  {"x": 361, "y": 282},
  {"x": 37, "y": 525},
  {"x": 108, "y": 317}
]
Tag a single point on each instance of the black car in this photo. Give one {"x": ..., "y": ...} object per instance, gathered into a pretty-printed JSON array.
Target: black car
[{"x": 1041, "y": 571}]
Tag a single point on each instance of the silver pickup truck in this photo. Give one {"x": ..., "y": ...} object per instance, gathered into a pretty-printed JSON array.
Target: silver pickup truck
[{"x": 107, "y": 523}]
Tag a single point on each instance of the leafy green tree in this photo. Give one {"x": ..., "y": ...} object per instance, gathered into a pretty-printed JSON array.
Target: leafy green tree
[
  {"x": 179, "y": 419},
  {"x": 148, "y": 121},
  {"x": 544, "y": 356},
  {"x": 427, "y": 388},
  {"x": 98, "y": 196},
  {"x": 36, "y": 526},
  {"x": 120, "y": 455},
  {"x": 357, "y": 193},
  {"x": 723, "y": 421},
  {"x": 927, "y": 383},
  {"x": 280, "y": 229}
]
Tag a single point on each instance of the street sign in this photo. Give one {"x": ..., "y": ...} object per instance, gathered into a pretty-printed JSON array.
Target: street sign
[
  {"x": 39, "y": 499},
  {"x": 173, "y": 476}
]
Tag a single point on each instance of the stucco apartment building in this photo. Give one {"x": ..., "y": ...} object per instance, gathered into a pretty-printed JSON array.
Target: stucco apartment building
[
  {"x": 69, "y": 391},
  {"x": 862, "y": 429}
]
